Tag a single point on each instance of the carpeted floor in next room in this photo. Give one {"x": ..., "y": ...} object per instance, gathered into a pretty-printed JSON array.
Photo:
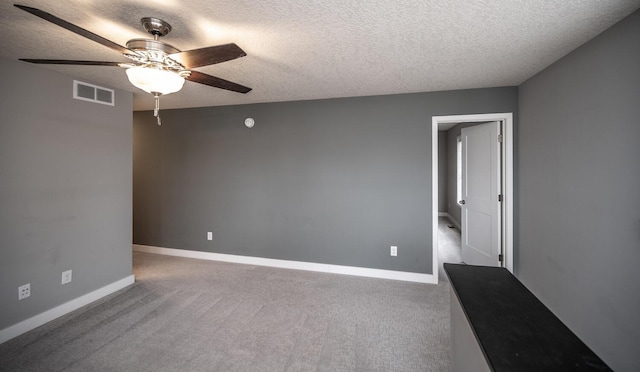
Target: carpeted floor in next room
[{"x": 193, "y": 315}]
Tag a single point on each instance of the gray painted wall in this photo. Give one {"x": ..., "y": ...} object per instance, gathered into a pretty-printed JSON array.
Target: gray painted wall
[
  {"x": 331, "y": 181},
  {"x": 442, "y": 171},
  {"x": 579, "y": 205},
  {"x": 65, "y": 190}
]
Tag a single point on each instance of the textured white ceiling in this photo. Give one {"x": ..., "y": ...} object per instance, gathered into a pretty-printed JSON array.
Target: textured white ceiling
[{"x": 300, "y": 50}]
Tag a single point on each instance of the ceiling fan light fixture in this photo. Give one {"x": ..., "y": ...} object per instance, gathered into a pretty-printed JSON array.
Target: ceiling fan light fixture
[
  {"x": 155, "y": 80},
  {"x": 158, "y": 67}
]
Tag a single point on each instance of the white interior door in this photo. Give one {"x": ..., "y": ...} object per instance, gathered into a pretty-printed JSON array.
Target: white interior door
[{"x": 480, "y": 204}]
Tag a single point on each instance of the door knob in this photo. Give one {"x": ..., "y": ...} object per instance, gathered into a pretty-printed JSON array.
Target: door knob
[{"x": 461, "y": 202}]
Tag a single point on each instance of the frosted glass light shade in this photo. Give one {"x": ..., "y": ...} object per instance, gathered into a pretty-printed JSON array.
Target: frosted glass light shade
[{"x": 153, "y": 80}]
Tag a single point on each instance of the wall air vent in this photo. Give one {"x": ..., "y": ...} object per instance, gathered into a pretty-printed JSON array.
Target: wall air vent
[{"x": 93, "y": 93}]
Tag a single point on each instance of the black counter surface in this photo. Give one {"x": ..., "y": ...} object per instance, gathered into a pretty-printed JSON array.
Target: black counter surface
[{"x": 515, "y": 331}]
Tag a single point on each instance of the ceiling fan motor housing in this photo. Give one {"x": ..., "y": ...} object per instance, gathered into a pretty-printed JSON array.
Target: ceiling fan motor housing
[
  {"x": 154, "y": 52},
  {"x": 153, "y": 45}
]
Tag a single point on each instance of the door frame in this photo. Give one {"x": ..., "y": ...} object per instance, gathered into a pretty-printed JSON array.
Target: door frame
[{"x": 507, "y": 186}]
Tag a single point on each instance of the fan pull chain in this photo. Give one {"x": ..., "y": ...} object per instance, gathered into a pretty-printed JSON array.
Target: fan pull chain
[{"x": 156, "y": 111}]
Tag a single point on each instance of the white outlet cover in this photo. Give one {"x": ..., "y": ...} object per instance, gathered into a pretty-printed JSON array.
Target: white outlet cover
[
  {"x": 394, "y": 250},
  {"x": 66, "y": 276},
  {"x": 24, "y": 291},
  {"x": 209, "y": 235}
]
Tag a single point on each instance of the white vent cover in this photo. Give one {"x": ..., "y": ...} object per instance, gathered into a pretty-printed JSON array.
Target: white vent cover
[{"x": 93, "y": 93}]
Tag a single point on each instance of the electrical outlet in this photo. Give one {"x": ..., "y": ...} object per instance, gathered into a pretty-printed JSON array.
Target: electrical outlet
[
  {"x": 66, "y": 277},
  {"x": 394, "y": 250},
  {"x": 24, "y": 291},
  {"x": 209, "y": 235}
]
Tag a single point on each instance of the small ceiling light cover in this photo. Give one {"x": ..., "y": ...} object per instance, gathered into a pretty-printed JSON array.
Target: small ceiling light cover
[
  {"x": 154, "y": 80},
  {"x": 249, "y": 122}
]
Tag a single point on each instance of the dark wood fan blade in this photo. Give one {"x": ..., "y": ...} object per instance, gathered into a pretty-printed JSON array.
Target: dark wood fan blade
[
  {"x": 208, "y": 56},
  {"x": 75, "y": 29},
  {"x": 69, "y": 62},
  {"x": 199, "y": 77}
]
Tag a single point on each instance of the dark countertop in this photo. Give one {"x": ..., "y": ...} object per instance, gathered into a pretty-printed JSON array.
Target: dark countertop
[{"x": 516, "y": 332}]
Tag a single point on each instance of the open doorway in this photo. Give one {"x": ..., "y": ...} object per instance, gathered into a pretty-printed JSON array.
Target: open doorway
[{"x": 506, "y": 205}]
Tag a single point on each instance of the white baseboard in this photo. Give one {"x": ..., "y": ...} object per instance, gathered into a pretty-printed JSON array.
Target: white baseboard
[
  {"x": 58, "y": 311},
  {"x": 286, "y": 264}
]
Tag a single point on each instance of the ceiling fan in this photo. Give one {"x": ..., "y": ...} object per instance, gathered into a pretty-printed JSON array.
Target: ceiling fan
[{"x": 157, "y": 67}]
